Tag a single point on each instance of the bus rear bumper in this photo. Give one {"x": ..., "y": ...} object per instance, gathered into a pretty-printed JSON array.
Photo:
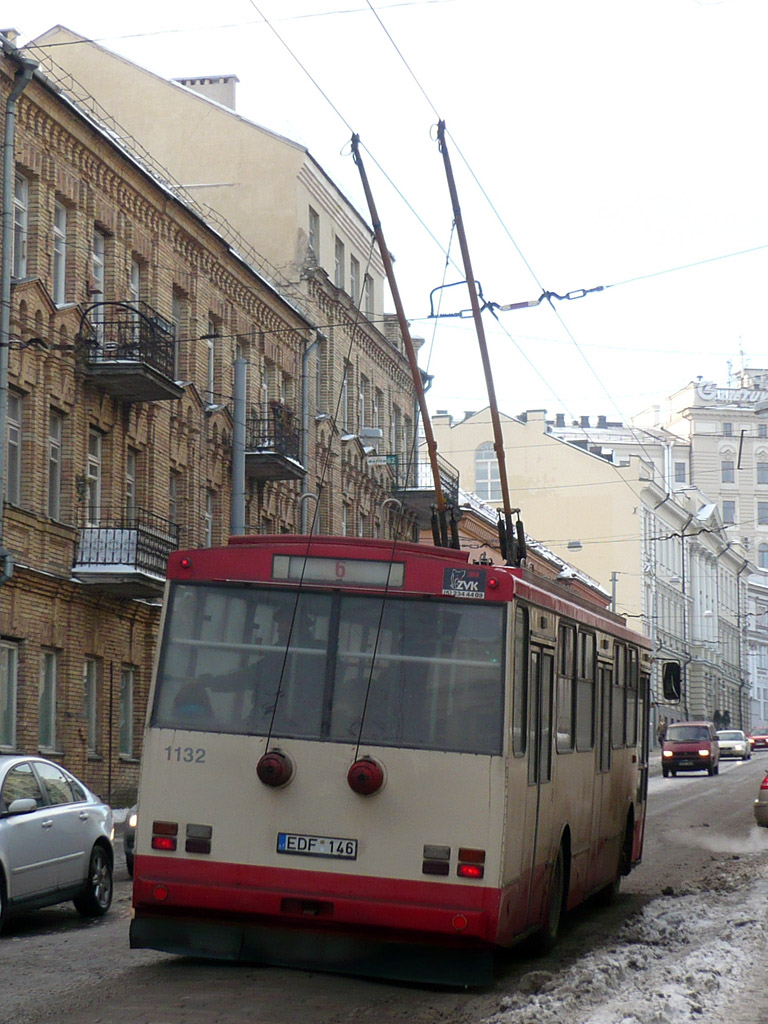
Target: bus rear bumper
[{"x": 279, "y": 945}]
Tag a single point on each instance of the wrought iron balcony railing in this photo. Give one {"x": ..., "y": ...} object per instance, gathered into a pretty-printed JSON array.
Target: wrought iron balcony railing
[
  {"x": 414, "y": 476},
  {"x": 122, "y": 547},
  {"x": 130, "y": 350}
]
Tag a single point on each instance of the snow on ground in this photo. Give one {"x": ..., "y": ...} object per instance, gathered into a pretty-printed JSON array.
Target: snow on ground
[{"x": 682, "y": 958}]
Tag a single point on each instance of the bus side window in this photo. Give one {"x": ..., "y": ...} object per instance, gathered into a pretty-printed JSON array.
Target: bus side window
[
  {"x": 619, "y": 710},
  {"x": 520, "y": 682},
  {"x": 566, "y": 678},
  {"x": 632, "y": 692},
  {"x": 585, "y": 692}
]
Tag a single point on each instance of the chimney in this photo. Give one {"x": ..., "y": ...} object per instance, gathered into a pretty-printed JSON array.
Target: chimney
[
  {"x": 584, "y": 421},
  {"x": 219, "y": 88},
  {"x": 602, "y": 422},
  {"x": 560, "y": 419}
]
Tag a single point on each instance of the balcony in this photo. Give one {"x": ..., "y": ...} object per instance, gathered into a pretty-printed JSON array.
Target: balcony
[
  {"x": 273, "y": 446},
  {"x": 129, "y": 351},
  {"x": 125, "y": 556},
  {"x": 414, "y": 483}
]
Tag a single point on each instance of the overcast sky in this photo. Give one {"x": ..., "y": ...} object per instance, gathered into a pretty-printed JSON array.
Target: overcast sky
[{"x": 595, "y": 142}]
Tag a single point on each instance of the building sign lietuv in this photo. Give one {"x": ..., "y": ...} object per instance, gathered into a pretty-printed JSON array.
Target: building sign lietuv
[{"x": 709, "y": 392}]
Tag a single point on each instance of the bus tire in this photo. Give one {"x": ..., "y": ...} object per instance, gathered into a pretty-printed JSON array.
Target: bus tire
[{"x": 545, "y": 939}]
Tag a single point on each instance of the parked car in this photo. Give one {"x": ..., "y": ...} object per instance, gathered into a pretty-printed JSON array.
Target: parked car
[
  {"x": 733, "y": 743},
  {"x": 55, "y": 839},
  {"x": 758, "y": 739},
  {"x": 690, "y": 747},
  {"x": 761, "y": 804},
  {"x": 129, "y": 838}
]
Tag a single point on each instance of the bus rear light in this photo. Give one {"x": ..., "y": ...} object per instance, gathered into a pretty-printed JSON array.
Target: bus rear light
[
  {"x": 471, "y": 856},
  {"x": 435, "y": 867},
  {"x": 492, "y": 583},
  {"x": 366, "y": 776},
  {"x": 198, "y": 839},
  {"x": 470, "y": 871},
  {"x": 439, "y": 852},
  {"x": 160, "y": 893},
  {"x": 275, "y": 769},
  {"x": 186, "y": 563},
  {"x": 167, "y": 843},
  {"x": 165, "y": 828}
]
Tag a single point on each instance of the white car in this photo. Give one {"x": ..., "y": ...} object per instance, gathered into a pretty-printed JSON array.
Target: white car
[
  {"x": 55, "y": 840},
  {"x": 734, "y": 743}
]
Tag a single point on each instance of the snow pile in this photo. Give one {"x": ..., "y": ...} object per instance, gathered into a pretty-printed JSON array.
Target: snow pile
[{"x": 680, "y": 959}]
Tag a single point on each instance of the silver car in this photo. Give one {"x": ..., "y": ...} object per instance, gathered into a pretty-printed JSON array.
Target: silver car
[
  {"x": 734, "y": 743},
  {"x": 55, "y": 840}
]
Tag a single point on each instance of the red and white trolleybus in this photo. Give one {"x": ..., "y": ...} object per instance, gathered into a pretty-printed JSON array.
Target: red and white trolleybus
[{"x": 375, "y": 756}]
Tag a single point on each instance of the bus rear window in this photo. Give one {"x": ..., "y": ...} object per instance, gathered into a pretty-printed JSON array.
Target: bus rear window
[{"x": 343, "y": 668}]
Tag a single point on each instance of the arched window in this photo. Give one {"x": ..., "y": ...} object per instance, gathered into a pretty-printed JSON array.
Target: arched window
[
  {"x": 487, "y": 483},
  {"x": 762, "y": 556}
]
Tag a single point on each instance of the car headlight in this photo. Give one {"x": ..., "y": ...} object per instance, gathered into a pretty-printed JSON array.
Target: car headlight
[
  {"x": 667, "y": 753},
  {"x": 703, "y": 753},
  {"x": 132, "y": 820}
]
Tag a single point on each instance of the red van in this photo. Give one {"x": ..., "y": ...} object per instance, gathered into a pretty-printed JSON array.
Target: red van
[{"x": 690, "y": 747}]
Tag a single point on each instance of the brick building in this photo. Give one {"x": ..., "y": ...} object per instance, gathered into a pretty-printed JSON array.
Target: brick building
[{"x": 127, "y": 313}]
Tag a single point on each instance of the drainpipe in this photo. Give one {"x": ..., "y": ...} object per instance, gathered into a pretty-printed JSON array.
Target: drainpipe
[
  {"x": 237, "y": 513},
  {"x": 23, "y": 77},
  {"x": 308, "y": 349}
]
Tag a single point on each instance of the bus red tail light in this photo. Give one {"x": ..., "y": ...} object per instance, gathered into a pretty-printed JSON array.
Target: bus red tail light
[
  {"x": 471, "y": 863},
  {"x": 275, "y": 769},
  {"x": 167, "y": 843},
  {"x": 164, "y": 835},
  {"x": 366, "y": 776}
]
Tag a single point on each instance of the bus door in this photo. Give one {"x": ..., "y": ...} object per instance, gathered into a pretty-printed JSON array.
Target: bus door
[
  {"x": 538, "y": 804},
  {"x": 601, "y": 813}
]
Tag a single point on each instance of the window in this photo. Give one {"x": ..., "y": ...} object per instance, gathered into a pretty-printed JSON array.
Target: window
[
  {"x": 59, "y": 253},
  {"x": 173, "y": 498},
  {"x": 93, "y": 478},
  {"x": 520, "y": 683},
  {"x": 134, "y": 295},
  {"x": 396, "y": 429},
  {"x": 762, "y": 556},
  {"x": 378, "y": 403},
  {"x": 729, "y": 512},
  {"x": 314, "y": 231},
  {"x": 90, "y": 704},
  {"x": 566, "y": 681},
  {"x": 208, "y": 523},
  {"x": 130, "y": 484},
  {"x": 344, "y": 519},
  {"x": 20, "y": 226},
  {"x": 585, "y": 692},
  {"x": 762, "y": 472},
  {"x": 362, "y": 399},
  {"x": 344, "y": 411},
  {"x": 13, "y": 469},
  {"x": 680, "y": 473},
  {"x": 178, "y": 316},
  {"x": 762, "y": 430},
  {"x": 368, "y": 295},
  {"x": 126, "y": 712},
  {"x": 338, "y": 263},
  {"x": 98, "y": 276},
  {"x": 727, "y": 430},
  {"x": 727, "y": 474},
  {"x": 354, "y": 279},
  {"x": 55, "y": 434},
  {"x": 9, "y": 669},
  {"x": 762, "y": 513},
  {"x": 487, "y": 480},
  {"x": 46, "y": 721},
  {"x": 210, "y": 352}
]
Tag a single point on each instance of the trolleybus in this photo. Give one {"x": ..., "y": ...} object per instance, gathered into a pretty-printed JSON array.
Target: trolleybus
[{"x": 378, "y": 757}]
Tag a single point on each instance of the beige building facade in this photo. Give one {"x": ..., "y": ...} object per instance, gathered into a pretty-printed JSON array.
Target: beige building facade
[{"x": 665, "y": 559}]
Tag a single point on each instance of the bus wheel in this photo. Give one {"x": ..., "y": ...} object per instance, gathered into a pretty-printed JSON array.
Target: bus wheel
[{"x": 545, "y": 939}]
